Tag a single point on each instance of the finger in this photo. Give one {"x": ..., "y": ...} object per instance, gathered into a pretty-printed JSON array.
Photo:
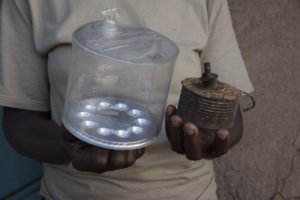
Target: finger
[
  {"x": 92, "y": 159},
  {"x": 73, "y": 145},
  {"x": 140, "y": 152},
  {"x": 207, "y": 137},
  {"x": 221, "y": 144},
  {"x": 67, "y": 136},
  {"x": 131, "y": 157},
  {"x": 117, "y": 159},
  {"x": 100, "y": 159},
  {"x": 176, "y": 134},
  {"x": 170, "y": 111},
  {"x": 71, "y": 142},
  {"x": 192, "y": 142}
]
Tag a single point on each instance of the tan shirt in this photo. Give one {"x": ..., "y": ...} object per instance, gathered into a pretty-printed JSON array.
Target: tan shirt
[{"x": 35, "y": 58}]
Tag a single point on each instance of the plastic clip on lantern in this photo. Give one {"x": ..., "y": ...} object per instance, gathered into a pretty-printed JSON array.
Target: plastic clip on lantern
[{"x": 118, "y": 84}]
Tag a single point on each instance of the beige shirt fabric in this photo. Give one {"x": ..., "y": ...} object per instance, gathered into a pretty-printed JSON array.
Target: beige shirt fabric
[{"x": 35, "y": 58}]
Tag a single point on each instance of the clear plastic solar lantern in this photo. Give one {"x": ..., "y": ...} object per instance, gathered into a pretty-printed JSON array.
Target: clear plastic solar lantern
[{"x": 118, "y": 84}]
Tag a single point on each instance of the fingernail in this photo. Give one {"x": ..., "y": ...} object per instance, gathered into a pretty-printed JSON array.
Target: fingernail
[
  {"x": 190, "y": 132},
  {"x": 223, "y": 134},
  {"x": 169, "y": 110}
]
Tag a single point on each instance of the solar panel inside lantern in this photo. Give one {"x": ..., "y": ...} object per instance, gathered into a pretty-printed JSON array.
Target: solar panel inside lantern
[{"x": 118, "y": 83}]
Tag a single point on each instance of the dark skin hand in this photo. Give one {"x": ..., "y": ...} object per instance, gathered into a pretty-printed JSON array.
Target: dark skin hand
[
  {"x": 86, "y": 157},
  {"x": 186, "y": 138},
  {"x": 34, "y": 135}
]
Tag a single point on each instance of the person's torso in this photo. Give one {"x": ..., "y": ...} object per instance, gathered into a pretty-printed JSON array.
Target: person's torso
[{"x": 160, "y": 173}]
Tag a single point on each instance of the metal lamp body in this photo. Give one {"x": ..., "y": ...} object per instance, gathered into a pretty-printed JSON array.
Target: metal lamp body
[{"x": 209, "y": 107}]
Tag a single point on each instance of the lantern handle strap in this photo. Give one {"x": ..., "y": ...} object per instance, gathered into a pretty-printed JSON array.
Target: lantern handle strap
[{"x": 252, "y": 99}]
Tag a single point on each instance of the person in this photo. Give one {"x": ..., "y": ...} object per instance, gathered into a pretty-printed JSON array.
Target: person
[{"x": 34, "y": 64}]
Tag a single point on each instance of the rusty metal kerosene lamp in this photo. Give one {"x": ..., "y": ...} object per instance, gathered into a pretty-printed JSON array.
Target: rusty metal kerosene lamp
[{"x": 207, "y": 102}]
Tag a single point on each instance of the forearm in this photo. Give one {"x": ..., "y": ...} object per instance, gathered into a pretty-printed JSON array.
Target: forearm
[
  {"x": 34, "y": 135},
  {"x": 236, "y": 132}
]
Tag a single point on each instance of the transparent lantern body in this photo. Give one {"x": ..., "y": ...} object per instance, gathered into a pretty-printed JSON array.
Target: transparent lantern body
[{"x": 118, "y": 85}]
